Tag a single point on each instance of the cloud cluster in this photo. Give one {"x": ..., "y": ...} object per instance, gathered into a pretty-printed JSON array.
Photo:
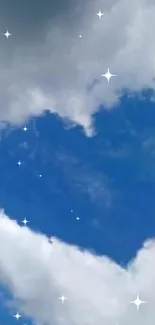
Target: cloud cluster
[
  {"x": 98, "y": 290},
  {"x": 62, "y": 72}
]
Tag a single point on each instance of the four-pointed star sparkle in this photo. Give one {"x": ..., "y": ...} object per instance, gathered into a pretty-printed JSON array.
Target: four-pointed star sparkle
[
  {"x": 108, "y": 75},
  {"x": 100, "y": 14},
  {"x": 62, "y": 298},
  {"x": 137, "y": 302},
  {"x": 17, "y": 316},
  {"x": 25, "y": 221},
  {"x": 7, "y": 34}
]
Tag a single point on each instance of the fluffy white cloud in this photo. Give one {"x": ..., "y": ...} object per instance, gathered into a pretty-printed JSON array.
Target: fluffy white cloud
[
  {"x": 63, "y": 73},
  {"x": 98, "y": 290}
]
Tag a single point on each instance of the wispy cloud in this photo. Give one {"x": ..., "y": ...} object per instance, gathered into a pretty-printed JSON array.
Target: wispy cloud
[{"x": 90, "y": 182}]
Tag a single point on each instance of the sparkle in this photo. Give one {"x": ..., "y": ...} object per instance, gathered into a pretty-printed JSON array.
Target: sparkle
[
  {"x": 25, "y": 128},
  {"x": 137, "y": 302},
  {"x": 17, "y": 316},
  {"x": 77, "y": 218},
  {"x": 19, "y": 163},
  {"x": 72, "y": 211},
  {"x": 7, "y": 34},
  {"x": 80, "y": 36},
  {"x": 108, "y": 75},
  {"x": 100, "y": 14},
  {"x": 25, "y": 221},
  {"x": 40, "y": 175},
  {"x": 62, "y": 298}
]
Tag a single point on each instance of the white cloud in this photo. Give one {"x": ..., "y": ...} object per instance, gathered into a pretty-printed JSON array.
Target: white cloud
[
  {"x": 57, "y": 73},
  {"x": 98, "y": 292}
]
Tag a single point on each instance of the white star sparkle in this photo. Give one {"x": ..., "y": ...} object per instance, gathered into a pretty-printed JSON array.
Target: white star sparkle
[
  {"x": 100, "y": 14},
  {"x": 108, "y": 75},
  {"x": 80, "y": 36},
  {"x": 25, "y": 128},
  {"x": 62, "y": 298},
  {"x": 137, "y": 302},
  {"x": 17, "y": 316},
  {"x": 7, "y": 34},
  {"x": 19, "y": 163},
  {"x": 25, "y": 221},
  {"x": 77, "y": 218}
]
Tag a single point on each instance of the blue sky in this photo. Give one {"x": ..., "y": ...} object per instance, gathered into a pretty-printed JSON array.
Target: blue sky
[
  {"x": 107, "y": 180},
  {"x": 87, "y": 175}
]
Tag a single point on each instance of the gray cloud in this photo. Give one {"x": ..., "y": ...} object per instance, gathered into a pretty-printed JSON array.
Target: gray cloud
[{"x": 44, "y": 65}]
